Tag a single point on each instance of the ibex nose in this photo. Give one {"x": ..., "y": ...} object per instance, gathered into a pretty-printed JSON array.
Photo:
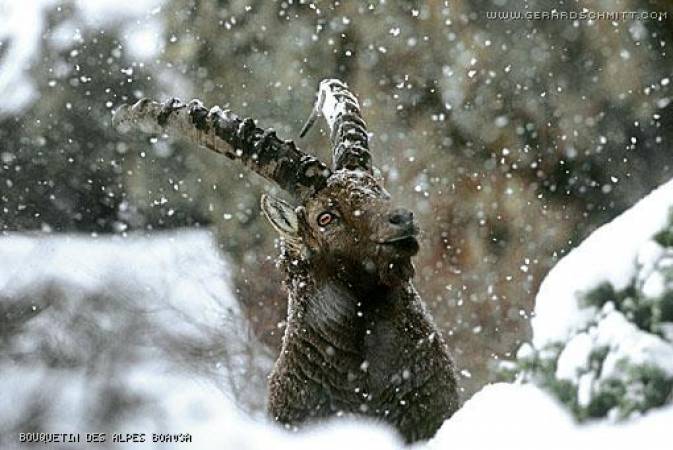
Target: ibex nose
[{"x": 401, "y": 217}]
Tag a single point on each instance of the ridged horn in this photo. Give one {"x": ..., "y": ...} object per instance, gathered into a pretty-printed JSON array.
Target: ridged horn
[
  {"x": 226, "y": 133},
  {"x": 348, "y": 130}
]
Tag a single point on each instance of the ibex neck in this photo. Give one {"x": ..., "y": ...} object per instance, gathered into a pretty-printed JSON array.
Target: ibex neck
[
  {"x": 335, "y": 317},
  {"x": 338, "y": 296},
  {"x": 340, "y": 301},
  {"x": 356, "y": 283},
  {"x": 355, "y": 276}
]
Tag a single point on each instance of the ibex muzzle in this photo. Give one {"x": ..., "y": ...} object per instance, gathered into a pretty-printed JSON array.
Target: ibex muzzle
[{"x": 358, "y": 337}]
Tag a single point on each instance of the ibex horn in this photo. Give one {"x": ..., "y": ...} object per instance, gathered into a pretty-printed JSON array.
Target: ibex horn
[
  {"x": 224, "y": 132},
  {"x": 350, "y": 142}
]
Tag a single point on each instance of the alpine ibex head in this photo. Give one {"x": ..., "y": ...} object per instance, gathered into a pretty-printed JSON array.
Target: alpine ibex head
[{"x": 349, "y": 226}]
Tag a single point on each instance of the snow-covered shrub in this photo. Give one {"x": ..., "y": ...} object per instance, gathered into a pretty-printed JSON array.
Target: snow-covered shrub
[{"x": 603, "y": 331}]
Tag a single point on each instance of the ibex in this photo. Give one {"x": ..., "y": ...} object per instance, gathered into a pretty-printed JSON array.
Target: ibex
[{"x": 358, "y": 338}]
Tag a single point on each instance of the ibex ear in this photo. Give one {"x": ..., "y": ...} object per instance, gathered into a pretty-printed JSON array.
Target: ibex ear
[{"x": 281, "y": 215}]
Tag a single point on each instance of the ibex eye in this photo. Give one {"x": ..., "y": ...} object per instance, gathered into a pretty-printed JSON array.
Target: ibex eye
[{"x": 325, "y": 219}]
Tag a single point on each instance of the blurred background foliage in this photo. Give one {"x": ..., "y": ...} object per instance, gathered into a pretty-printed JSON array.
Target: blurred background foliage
[{"x": 512, "y": 140}]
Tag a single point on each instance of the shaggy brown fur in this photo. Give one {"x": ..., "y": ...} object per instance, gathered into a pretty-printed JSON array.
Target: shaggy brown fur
[{"x": 358, "y": 338}]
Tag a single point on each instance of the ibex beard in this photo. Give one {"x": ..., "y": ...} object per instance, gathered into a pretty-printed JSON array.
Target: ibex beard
[{"x": 358, "y": 339}]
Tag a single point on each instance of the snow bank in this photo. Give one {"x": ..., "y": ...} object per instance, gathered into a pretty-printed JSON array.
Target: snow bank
[
  {"x": 608, "y": 255},
  {"x": 178, "y": 273},
  {"x": 524, "y": 417},
  {"x": 183, "y": 270}
]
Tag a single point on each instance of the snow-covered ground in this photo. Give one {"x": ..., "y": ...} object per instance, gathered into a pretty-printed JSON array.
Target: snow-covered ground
[{"x": 98, "y": 349}]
